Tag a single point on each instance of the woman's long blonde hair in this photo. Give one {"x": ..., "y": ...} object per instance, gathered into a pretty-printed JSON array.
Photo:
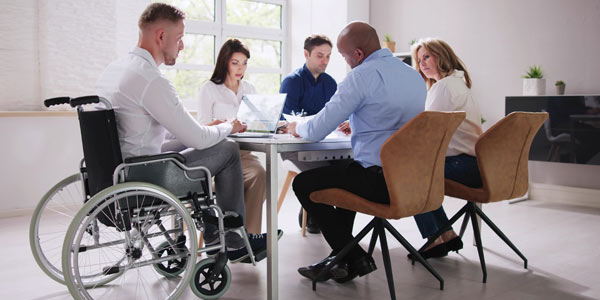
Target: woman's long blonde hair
[{"x": 447, "y": 61}]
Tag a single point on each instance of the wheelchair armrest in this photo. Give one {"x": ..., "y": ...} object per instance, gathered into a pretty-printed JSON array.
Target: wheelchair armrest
[{"x": 147, "y": 158}]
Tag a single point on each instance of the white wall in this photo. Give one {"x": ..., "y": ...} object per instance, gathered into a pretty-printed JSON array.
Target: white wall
[
  {"x": 326, "y": 17},
  {"x": 498, "y": 40},
  {"x": 19, "y": 63},
  {"x": 37, "y": 153},
  {"x": 58, "y": 47}
]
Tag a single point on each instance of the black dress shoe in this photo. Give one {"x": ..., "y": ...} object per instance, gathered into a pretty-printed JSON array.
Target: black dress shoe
[
  {"x": 358, "y": 267},
  {"x": 438, "y": 251},
  {"x": 311, "y": 226},
  {"x": 363, "y": 265},
  {"x": 351, "y": 275},
  {"x": 312, "y": 272}
]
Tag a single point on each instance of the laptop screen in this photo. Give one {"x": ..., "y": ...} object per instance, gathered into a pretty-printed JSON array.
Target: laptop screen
[{"x": 261, "y": 112}]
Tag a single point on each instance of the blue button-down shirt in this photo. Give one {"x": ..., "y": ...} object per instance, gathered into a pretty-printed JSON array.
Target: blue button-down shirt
[
  {"x": 378, "y": 97},
  {"x": 304, "y": 94}
]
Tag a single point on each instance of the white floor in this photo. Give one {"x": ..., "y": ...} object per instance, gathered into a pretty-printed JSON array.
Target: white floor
[{"x": 560, "y": 241}]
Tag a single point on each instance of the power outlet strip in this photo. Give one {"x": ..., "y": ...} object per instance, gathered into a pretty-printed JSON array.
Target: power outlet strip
[{"x": 325, "y": 155}]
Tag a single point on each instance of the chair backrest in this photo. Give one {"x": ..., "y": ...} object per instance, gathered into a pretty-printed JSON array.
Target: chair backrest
[
  {"x": 413, "y": 162},
  {"x": 101, "y": 149},
  {"x": 547, "y": 128},
  {"x": 503, "y": 153}
]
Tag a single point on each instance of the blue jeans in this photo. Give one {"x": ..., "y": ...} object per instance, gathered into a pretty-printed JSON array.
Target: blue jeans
[{"x": 460, "y": 168}]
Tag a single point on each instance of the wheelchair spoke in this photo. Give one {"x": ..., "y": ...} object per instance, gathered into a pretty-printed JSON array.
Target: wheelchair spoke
[{"x": 130, "y": 247}]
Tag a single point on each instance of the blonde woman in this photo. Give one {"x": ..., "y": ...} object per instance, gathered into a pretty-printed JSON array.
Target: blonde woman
[
  {"x": 219, "y": 99},
  {"x": 449, "y": 89}
]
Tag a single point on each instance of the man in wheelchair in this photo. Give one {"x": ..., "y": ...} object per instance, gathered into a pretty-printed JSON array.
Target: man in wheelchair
[{"x": 147, "y": 107}]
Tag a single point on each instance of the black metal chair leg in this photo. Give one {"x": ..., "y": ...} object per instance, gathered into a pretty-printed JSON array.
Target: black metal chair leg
[
  {"x": 372, "y": 243},
  {"x": 345, "y": 251},
  {"x": 413, "y": 251},
  {"x": 386, "y": 258},
  {"x": 501, "y": 234},
  {"x": 463, "y": 227},
  {"x": 477, "y": 235}
]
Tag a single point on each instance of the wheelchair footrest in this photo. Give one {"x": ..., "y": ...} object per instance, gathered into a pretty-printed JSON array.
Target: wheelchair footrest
[
  {"x": 228, "y": 221},
  {"x": 258, "y": 256}
]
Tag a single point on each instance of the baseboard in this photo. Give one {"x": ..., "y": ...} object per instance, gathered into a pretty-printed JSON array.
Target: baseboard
[{"x": 565, "y": 194}]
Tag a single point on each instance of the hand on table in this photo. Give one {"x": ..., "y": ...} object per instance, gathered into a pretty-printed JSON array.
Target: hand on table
[
  {"x": 345, "y": 127},
  {"x": 291, "y": 128},
  {"x": 238, "y": 126}
]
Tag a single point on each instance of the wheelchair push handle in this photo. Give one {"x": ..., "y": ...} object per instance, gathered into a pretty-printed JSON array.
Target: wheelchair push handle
[
  {"x": 57, "y": 101},
  {"x": 88, "y": 100}
]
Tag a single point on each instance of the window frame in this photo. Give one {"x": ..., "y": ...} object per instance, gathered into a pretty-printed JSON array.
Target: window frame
[{"x": 221, "y": 30}]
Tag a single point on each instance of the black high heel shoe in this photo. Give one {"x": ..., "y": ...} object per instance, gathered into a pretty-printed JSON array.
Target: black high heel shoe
[
  {"x": 438, "y": 251},
  {"x": 454, "y": 244}
]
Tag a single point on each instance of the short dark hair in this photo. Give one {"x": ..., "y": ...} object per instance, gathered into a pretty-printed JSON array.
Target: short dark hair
[
  {"x": 230, "y": 47},
  {"x": 160, "y": 11},
  {"x": 316, "y": 40}
]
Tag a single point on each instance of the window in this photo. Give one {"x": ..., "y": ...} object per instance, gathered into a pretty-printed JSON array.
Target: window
[{"x": 260, "y": 24}]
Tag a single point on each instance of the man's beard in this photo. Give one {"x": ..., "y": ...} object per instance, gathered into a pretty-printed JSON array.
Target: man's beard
[{"x": 169, "y": 60}]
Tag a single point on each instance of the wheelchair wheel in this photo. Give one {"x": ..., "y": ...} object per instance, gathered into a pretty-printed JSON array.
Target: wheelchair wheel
[
  {"x": 50, "y": 221},
  {"x": 171, "y": 267},
  {"x": 143, "y": 217},
  {"x": 203, "y": 287}
]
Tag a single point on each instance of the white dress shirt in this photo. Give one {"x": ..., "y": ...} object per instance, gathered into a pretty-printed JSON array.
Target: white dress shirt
[
  {"x": 146, "y": 106},
  {"x": 452, "y": 94},
  {"x": 217, "y": 101}
]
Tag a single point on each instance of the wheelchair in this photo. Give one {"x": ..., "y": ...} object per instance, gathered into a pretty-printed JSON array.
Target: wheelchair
[{"x": 128, "y": 229}]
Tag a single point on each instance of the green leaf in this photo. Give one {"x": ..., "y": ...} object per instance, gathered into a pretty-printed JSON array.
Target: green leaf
[{"x": 534, "y": 72}]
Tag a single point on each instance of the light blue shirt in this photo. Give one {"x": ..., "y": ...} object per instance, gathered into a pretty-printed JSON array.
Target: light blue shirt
[{"x": 378, "y": 97}]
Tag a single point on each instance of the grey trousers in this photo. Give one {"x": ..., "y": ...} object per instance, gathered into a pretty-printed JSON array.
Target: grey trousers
[{"x": 223, "y": 161}]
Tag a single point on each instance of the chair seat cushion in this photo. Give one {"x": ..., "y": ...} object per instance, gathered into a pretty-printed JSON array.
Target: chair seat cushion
[{"x": 344, "y": 199}]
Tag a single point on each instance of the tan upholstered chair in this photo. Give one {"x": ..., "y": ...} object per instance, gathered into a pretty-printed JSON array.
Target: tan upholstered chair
[
  {"x": 286, "y": 185},
  {"x": 502, "y": 155},
  {"x": 413, "y": 166}
]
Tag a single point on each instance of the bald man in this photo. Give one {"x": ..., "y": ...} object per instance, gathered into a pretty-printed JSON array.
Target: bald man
[{"x": 378, "y": 96}]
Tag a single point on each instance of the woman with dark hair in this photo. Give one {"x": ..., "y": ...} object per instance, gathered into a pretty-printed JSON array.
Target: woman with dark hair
[
  {"x": 449, "y": 89},
  {"x": 219, "y": 99}
]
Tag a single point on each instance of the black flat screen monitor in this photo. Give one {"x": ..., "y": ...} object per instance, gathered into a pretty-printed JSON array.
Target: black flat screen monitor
[{"x": 572, "y": 132}]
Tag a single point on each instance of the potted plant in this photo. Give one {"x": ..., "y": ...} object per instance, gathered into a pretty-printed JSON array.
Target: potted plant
[
  {"x": 560, "y": 87},
  {"x": 388, "y": 43},
  {"x": 534, "y": 83},
  {"x": 411, "y": 43}
]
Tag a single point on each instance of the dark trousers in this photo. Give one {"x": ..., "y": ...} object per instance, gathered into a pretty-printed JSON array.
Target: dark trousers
[
  {"x": 460, "y": 168},
  {"x": 336, "y": 223}
]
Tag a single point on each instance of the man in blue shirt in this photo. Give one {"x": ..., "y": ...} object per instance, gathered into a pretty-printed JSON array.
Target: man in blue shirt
[
  {"x": 378, "y": 96},
  {"x": 308, "y": 89}
]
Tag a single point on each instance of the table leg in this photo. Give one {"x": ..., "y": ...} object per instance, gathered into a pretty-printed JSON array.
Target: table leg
[{"x": 272, "y": 249}]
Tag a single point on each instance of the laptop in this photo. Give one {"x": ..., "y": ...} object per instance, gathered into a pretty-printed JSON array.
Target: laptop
[{"x": 261, "y": 112}]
